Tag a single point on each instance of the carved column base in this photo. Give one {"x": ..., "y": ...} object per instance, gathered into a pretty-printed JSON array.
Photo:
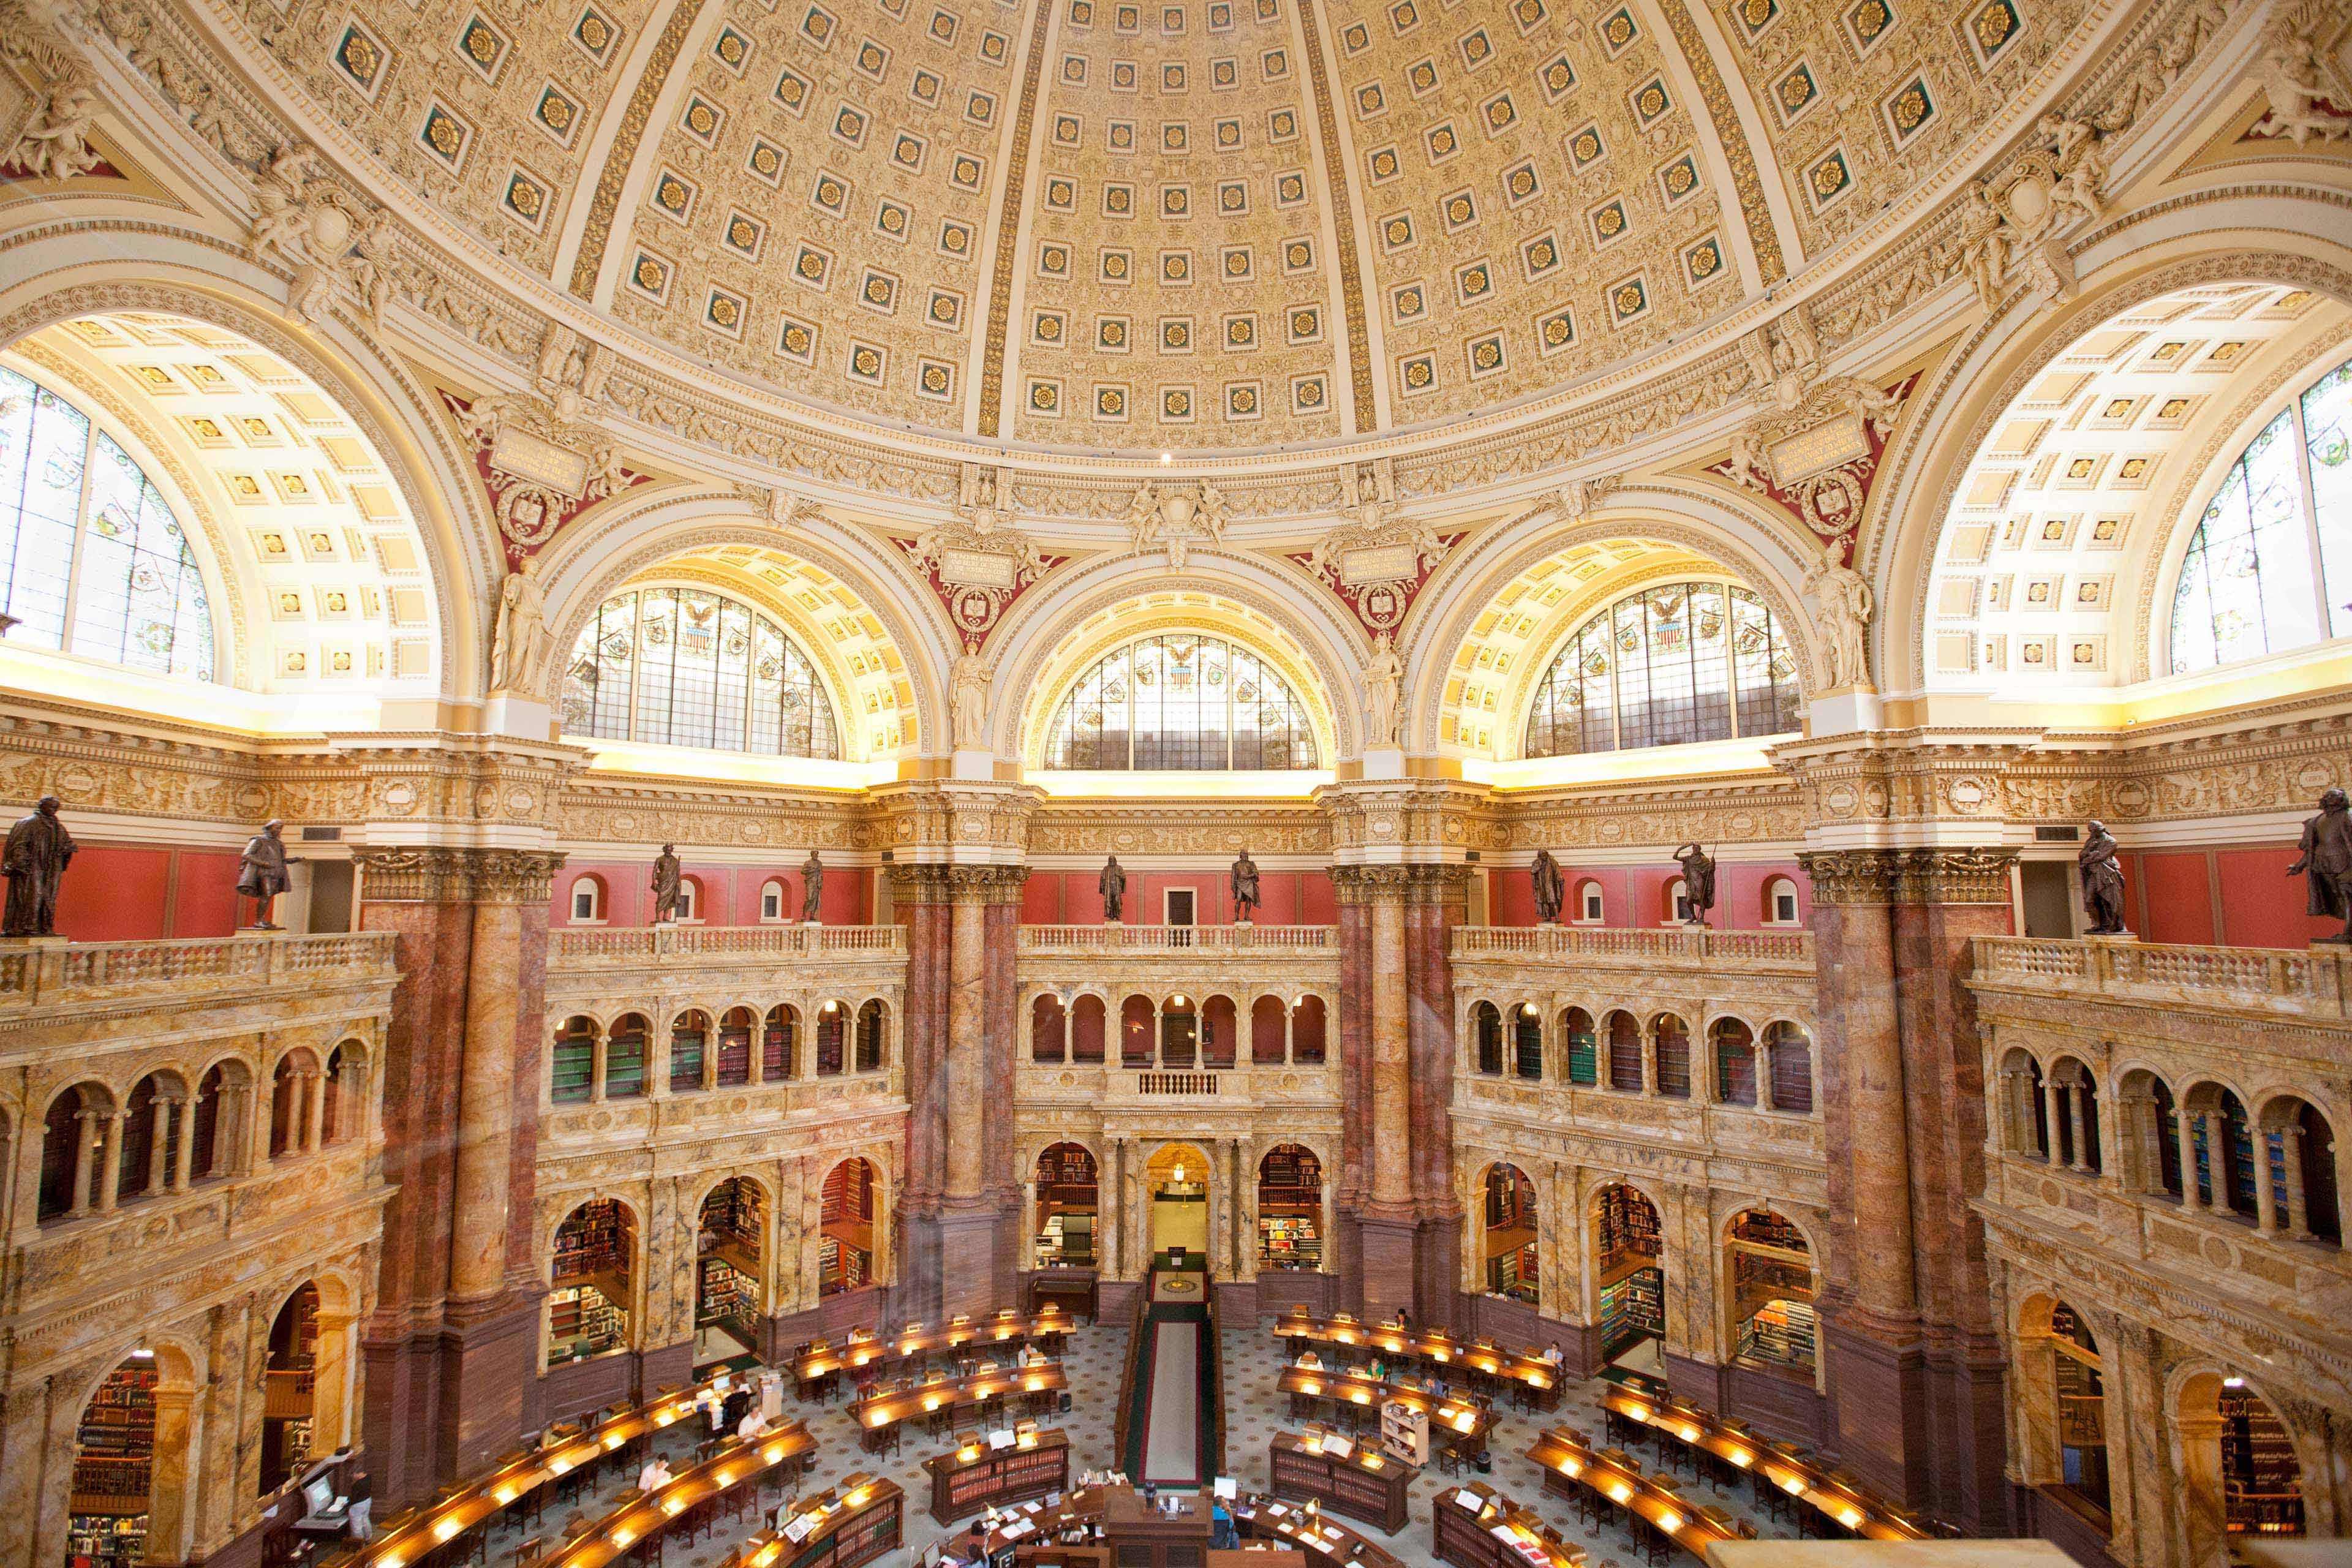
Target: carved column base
[
  {"x": 972, "y": 1243},
  {"x": 919, "y": 1265},
  {"x": 402, "y": 1371},
  {"x": 1878, "y": 1381},
  {"x": 488, "y": 1359}
]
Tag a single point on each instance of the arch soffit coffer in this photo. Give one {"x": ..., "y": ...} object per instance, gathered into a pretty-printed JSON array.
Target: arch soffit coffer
[
  {"x": 371, "y": 387},
  {"x": 1976, "y": 382}
]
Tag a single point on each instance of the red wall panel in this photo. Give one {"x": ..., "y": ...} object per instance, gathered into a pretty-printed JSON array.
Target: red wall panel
[
  {"x": 2179, "y": 897},
  {"x": 115, "y": 893},
  {"x": 206, "y": 901}
]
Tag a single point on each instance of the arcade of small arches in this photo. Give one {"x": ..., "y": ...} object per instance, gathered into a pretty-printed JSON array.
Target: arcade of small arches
[
  {"x": 102, "y": 1147},
  {"x": 1172, "y": 1028},
  {"x": 592, "y": 1059},
  {"x": 1617, "y": 1049}
]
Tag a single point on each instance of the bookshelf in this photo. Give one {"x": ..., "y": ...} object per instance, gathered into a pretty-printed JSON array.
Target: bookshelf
[
  {"x": 2260, "y": 1485},
  {"x": 1771, "y": 1271},
  {"x": 854, "y": 1532},
  {"x": 625, "y": 1059},
  {"x": 1584, "y": 1056},
  {"x": 974, "y": 1476},
  {"x": 1290, "y": 1242},
  {"x": 686, "y": 1059},
  {"x": 572, "y": 1069},
  {"x": 831, "y": 1025},
  {"x": 115, "y": 1462},
  {"x": 1625, "y": 1230},
  {"x": 725, "y": 1294},
  {"x": 776, "y": 1046},
  {"x": 1066, "y": 1240},
  {"x": 1344, "y": 1477},
  {"x": 582, "y": 1323},
  {"x": 1290, "y": 1209},
  {"x": 735, "y": 1054},
  {"x": 1633, "y": 1309},
  {"x": 734, "y": 1213}
]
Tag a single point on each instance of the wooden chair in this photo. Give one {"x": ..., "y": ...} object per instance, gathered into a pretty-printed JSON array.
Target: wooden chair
[
  {"x": 887, "y": 1442},
  {"x": 1449, "y": 1458},
  {"x": 525, "y": 1551}
]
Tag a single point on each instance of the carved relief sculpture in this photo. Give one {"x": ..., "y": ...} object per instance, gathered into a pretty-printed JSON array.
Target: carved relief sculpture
[
  {"x": 55, "y": 142},
  {"x": 1172, "y": 518},
  {"x": 2103, "y": 882},
  {"x": 668, "y": 885},
  {"x": 2013, "y": 221},
  {"x": 1845, "y": 604},
  {"x": 34, "y": 862},
  {"x": 2325, "y": 863},
  {"x": 1551, "y": 887},
  {"x": 1112, "y": 886},
  {"x": 970, "y": 685},
  {"x": 1383, "y": 677},
  {"x": 262, "y": 873},
  {"x": 2308, "y": 93},
  {"x": 519, "y": 644}
]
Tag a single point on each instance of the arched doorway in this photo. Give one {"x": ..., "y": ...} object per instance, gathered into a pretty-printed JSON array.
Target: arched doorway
[
  {"x": 729, "y": 1262},
  {"x": 113, "y": 1502},
  {"x": 1176, "y": 1185},
  {"x": 591, "y": 1279},
  {"x": 2238, "y": 1465},
  {"x": 1769, "y": 1265},
  {"x": 1290, "y": 1208},
  {"x": 2081, "y": 1391},
  {"x": 1507, "y": 1266},
  {"x": 844, "y": 1248},
  {"x": 289, "y": 1389},
  {"x": 1628, "y": 1281},
  {"x": 1067, "y": 1203}
]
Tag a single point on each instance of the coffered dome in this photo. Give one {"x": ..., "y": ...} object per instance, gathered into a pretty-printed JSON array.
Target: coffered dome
[{"x": 1156, "y": 224}]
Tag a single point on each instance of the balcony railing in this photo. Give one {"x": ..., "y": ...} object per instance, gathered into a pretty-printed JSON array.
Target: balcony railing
[
  {"x": 1677, "y": 944},
  {"x": 2268, "y": 979},
  {"x": 1179, "y": 939},
  {"x": 87, "y": 973},
  {"x": 722, "y": 944}
]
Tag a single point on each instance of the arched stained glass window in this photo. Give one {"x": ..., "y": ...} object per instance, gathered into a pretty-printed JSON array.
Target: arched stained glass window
[
  {"x": 1664, "y": 667},
  {"x": 2247, "y": 586},
  {"x": 1180, "y": 701},
  {"x": 92, "y": 560},
  {"x": 688, "y": 666}
]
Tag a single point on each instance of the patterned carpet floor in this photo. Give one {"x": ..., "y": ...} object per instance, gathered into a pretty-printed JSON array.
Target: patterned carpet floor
[{"x": 1255, "y": 1410}]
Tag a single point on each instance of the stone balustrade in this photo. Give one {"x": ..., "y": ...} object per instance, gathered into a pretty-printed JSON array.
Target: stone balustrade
[
  {"x": 721, "y": 945},
  {"x": 1683, "y": 946},
  {"x": 1237, "y": 1090},
  {"x": 1085, "y": 941},
  {"x": 2314, "y": 984},
  {"x": 70, "y": 975}
]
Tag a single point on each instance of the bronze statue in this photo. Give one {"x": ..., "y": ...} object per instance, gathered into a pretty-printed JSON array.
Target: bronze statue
[
  {"x": 1243, "y": 883},
  {"x": 1112, "y": 886},
  {"x": 1552, "y": 887},
  {"x": 38, "y": 850},
  {"x": 811, "y": 887},
  {"x": 2103, "y": 882},
  {"x": 263, "y": 874},
  {"x": 2326, "y": 863},
  {"x": 668, "y": 885},
  {"x": 1698, "y": 882}
]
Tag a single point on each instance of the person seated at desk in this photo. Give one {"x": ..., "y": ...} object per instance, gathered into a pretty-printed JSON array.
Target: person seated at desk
[
  {"x": 1379, "y": 1369},
  {"x": 359, "y": 1504},
  {"x": 1311, "y": 1361},
  {"x": 1221, "y": 1524},
  {"x": 655, "y": 1476},
  {"x": 1555, "y": 1355},
  {"x": 754, "y": 1425}
]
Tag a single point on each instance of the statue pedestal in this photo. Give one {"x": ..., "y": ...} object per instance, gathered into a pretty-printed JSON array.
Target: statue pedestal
[
  {"x": 2110, "y": 937},
  {"x": 520, "y": 718},
  {"x": 1843, "y": 712},
  {"x": 262, "y": 932},
  {"x": 967, "y": 764},
  {"x": 24, "y": 944},
  {"x": 1383, "y": 763}
]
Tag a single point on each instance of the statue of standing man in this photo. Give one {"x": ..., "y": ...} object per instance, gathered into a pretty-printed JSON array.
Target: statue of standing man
[
  {"x": 2325, "y": 864},
  {"x": 812, "y": 888},
  {"x": 1552, "y": 887},
  {"x": 1699, "y": 881},
  {"x": 263, "y": 874},
  {"x": 2103, "y": 882},
  {"x": 1112, "y": 886},
  {"x": 34, "y": 862},
  {"x": 1243, "y": 883},
  {"x": 668, "y": 885}
]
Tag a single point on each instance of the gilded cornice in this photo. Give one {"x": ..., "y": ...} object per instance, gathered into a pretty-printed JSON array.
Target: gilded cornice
[
  {"x": 440, "y": 875},
  {"x": 1175, "y": 827},
  {"x": 1411, "y": 818},
  {"x": 1938, "y": 875}
]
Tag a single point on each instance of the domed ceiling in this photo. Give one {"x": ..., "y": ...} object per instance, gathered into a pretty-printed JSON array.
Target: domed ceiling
[{"x": 1157, "y": 223}]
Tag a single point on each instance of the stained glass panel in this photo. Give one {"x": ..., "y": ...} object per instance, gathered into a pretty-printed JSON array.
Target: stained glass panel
[
  {"x": 1180, "y": 701},
  {"x": 103, "y": 568},
  {"x": 1667, "y": 665},
  {"x": 692, "y": 667}
]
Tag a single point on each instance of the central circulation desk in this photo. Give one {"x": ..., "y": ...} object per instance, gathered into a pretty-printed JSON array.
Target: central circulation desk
[
  {"x": 977, "y": 1476},
  {"x": 1362, "y": 1483}
]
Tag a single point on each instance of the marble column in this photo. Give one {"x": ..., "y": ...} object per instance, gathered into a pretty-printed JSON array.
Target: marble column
[
  {"x": 976, "y": 1230},
  {"x": 2184, "y": 1127},
  {"x": 1914, "y": 1353},
  {"x": 919, "y": 899},
  {"x": 2297, "y": 1217},
  {"x": 492, "y": 1320}
]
